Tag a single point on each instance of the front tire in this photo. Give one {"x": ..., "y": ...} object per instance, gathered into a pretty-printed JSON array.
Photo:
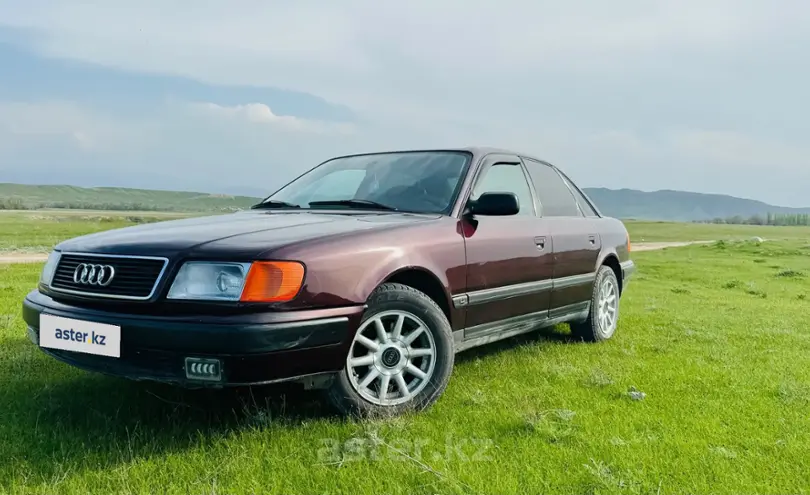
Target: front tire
[
  {"x": 401, "y": 357},
  {"x": 604, "y": 313}
]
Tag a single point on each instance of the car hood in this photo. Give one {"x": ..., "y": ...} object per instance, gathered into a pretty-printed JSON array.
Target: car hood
[{"x": 247, "y": 233}]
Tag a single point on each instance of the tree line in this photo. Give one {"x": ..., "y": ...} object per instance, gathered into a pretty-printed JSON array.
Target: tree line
[
  {"x": 776, "y": 219},
  {"x": 18, "y": 204}
]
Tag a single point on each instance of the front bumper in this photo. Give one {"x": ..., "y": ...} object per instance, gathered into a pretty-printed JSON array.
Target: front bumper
[{"x": 251, "y": 348}]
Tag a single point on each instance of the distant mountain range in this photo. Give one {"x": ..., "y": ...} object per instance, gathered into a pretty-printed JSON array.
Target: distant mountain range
[
  {"x": 679, "y": 205},
  {"x": 622, "y": 203}
]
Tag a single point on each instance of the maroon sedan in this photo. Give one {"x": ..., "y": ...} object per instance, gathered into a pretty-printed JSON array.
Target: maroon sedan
[{"x": 363, "y": 276}]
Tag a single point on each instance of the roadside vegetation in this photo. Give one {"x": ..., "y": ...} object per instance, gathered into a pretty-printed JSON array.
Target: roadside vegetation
[
  {"x": 704, "y": 389},
  {"x": 796, "y": 219}
]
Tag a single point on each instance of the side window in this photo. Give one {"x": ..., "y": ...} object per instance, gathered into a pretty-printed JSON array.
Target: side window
[
  {"x": 584, "y": 206},
  {"x": 506, "y": 177},
  {"x": 555, "y": 198}
]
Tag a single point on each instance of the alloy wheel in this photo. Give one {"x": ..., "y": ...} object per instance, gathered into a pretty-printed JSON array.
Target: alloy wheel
[
  {"x": 392, "y": 358},
  {"x": 607, "y": 306}
]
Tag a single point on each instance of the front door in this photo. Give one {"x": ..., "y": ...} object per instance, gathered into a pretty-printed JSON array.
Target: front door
[{"x": 509, "y": 258}]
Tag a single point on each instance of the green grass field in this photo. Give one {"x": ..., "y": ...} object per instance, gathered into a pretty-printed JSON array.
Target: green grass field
[
  {"x": 647, "y": 231},
  {"x": 39, "y": 231},
  {"x": 115, "y": 198},
  {"x": 714, "y": 335}
]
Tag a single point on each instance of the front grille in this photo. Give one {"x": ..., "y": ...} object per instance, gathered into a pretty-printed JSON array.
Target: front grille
[{"x": 135, "y": 277}]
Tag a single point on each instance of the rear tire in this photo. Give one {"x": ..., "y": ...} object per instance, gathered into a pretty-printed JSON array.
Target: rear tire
[
  {"x": 604, "y": 312},
  {"x": 401, "y": 357}
]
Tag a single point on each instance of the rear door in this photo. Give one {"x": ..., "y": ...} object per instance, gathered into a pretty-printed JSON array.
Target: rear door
[
  {"x": 509, "y": 262},
  {"x": 575, "y": 239}
]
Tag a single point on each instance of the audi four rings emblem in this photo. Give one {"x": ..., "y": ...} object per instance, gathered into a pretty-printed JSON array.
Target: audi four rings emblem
[{"x": 89, "y": 274}]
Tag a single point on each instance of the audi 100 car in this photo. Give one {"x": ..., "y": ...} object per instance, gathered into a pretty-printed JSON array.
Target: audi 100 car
[{"x": 362, "y": 277}]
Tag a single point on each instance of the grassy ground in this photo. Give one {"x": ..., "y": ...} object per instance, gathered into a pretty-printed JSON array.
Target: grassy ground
[
  {"x": 641, "y": 231},
  {"x": 714, "y": 336},
  {"x": 39, "y": 231},
  {"x": 32, "y": 196}
]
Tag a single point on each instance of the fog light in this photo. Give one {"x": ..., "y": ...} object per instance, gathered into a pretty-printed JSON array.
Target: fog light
[{"x": 203, "y": 369}]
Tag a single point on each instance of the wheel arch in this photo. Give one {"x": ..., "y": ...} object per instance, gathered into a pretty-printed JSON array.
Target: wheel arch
[
  {"x": 423, "y": 280},
  {"x": 611, "y": 260}
]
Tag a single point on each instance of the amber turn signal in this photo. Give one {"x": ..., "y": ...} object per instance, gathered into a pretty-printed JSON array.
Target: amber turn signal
[
  {"x": 273, "y": 281},
  {"x": 629, "y": 245}
]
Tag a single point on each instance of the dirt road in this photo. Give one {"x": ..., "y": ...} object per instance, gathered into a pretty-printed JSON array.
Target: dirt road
[
  {"x": 22, "y": 258},
  {"x": 652, "y": 246},
  {"x": 39, "y": 258}
]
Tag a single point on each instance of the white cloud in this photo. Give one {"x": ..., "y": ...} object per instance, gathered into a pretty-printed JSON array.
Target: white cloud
[
  {"x": 27, "y": 123},
  {"x": 88, "y": 130},
  {"x": 259, "y": 113},
  {"x": 628, "y": 93},
  {"x": 250, "y": 140},
  {"x": 381, "y": 58}
]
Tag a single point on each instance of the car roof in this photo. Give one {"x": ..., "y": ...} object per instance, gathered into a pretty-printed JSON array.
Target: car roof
[
  {"x": 487, "y": 150},
  {"x": 476, "y": 151}
]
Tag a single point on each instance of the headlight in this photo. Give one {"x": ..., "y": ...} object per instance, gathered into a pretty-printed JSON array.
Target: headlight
[
  {"x": 46, "y": 277},
  {"x": 261, "y": 281},
  {"x": 209, "y": 281}
]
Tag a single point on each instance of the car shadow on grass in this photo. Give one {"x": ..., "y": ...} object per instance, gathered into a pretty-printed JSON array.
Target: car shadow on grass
[
  {"x": 559, "y": 334},
  {"x": 57, "y": 418}
]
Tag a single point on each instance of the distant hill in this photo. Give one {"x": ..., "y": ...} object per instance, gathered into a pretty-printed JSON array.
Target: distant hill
[
  {"x": 15, "y": 196},
  {"x": 679, "y": 205},
  {"x": 622, "y": 203}
]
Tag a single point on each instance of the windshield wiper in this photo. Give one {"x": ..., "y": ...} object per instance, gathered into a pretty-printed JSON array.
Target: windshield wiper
[
  {"x": 273, "y": 204},
  {"x": 354, "y": 203}
]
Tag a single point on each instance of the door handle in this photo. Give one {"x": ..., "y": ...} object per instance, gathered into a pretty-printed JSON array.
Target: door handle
[
  {"x": 540, "y": 242},
  {"x": 592, "y": 239}
]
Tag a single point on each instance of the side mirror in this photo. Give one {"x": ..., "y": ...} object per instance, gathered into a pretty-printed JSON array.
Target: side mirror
[{"x": 495, "y": 204}]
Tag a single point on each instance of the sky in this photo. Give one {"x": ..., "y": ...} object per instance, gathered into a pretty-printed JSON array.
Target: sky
[{"x": 243, "y": 96}]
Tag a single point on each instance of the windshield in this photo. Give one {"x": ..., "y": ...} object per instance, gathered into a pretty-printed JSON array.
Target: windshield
[{"x": 414, "y": 181}]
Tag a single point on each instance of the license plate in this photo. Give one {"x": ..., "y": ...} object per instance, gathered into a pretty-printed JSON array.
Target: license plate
[{"x": 67, "y": 334}]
